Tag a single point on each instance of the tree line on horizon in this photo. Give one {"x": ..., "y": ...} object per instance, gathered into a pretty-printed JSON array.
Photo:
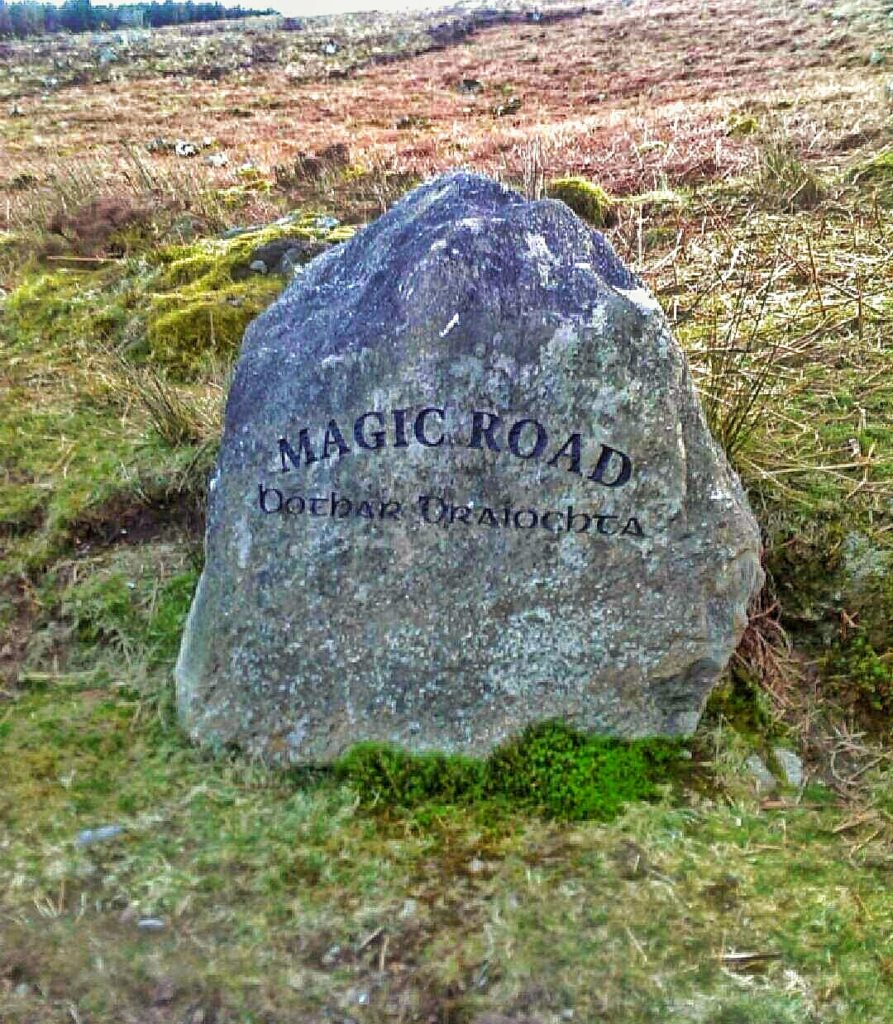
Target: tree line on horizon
[{"x": 27, "y": 18}]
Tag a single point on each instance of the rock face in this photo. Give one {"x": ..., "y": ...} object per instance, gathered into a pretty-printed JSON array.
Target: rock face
[{"x": 465, "y": 485}]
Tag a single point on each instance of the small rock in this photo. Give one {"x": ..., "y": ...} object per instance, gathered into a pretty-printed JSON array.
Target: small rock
[
  {"x": 330, "y": 957},
  {"x": 469, "y": 85},
  {"x": 271, "y": 253},
  {"x": 150, "y": 924},
  {"x": 291, "y": 263},
  {"x": 511, "y": 106},
  {"x": 164, "y": 992},
  {"x": 185, "y": 149},
  {"x": 764, "y": 779},
  {"x": 217, "y": 160},
  {"x": 325, "y": 222},
  {"x": 791, "y": 766},
  {"x": 330, "y": 48},
  {"x": 280, "y": 256},
  {"x": 876, "y": 57},
  {"x": 236, "y": 232},
  {"x": 22, "y": 989},
  {"x": 294, "y": 258},
  {"x": 159, "y": 145},
  {"x": 89, "y": 836}
]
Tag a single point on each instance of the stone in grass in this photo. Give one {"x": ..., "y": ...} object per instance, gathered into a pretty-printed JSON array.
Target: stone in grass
[
  {"x": 279, "y": 256},
  {"x": 764, "y": 779},
  {"x": 91, "y": 836},
  {"x": 790, "y": 765},
  {"x": 465, "y": 485}
]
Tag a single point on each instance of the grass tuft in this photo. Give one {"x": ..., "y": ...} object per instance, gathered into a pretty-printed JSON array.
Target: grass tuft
[{"x": 783, "y": 178}]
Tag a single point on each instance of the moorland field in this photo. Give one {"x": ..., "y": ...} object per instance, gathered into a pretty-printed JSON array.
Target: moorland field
[{"x": 739, "y": 157}]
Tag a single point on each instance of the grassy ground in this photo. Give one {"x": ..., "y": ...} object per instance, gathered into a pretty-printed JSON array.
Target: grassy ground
[{"x": 749, "y": 161}]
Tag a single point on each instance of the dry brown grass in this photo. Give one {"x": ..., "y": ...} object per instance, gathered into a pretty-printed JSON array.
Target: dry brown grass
[{"x": 634, "y": 97}]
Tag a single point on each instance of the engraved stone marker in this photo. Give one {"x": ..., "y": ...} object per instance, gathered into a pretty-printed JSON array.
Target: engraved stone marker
[{"x": 465, "y": 485}]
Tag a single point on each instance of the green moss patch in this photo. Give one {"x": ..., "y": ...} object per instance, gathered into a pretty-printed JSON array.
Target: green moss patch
[
  {"x": 205, "y": 296},
  {"x": 187, "y": 325},
  {"x": 549, "y": 769},
  {"x": 863, "y": 678},
  {"x": 738, "y": 701},
  {"x": 587, "y": 199},
  {"x": 740, "y": 124},
  {"x": 877, "y": 171}
]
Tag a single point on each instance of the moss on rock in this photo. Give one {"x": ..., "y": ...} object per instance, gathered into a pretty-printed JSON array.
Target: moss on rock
[
  {"x": 110, "y": 420},
  {"x": 585, "y": 198},
  {"x": 206, "y": 295},
  {"x": 187, "y": 325}
]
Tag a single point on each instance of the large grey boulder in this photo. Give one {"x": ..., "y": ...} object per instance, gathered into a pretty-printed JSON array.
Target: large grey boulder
[{"x": 465, "y": 485}]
